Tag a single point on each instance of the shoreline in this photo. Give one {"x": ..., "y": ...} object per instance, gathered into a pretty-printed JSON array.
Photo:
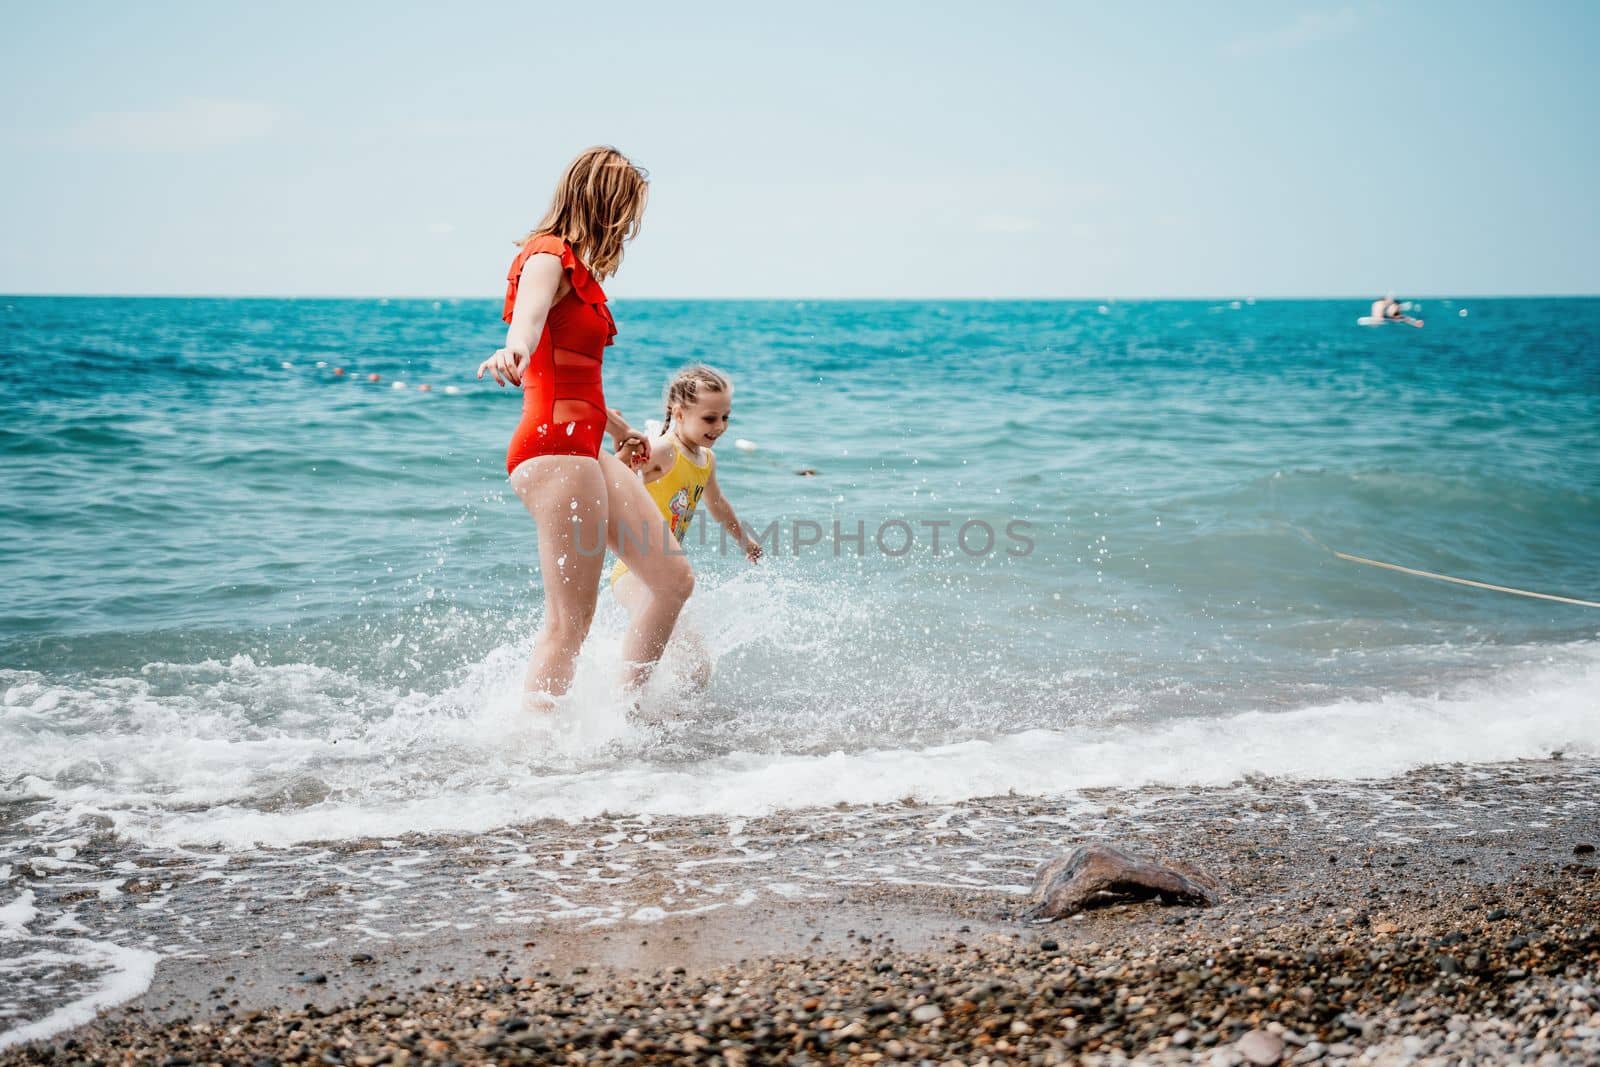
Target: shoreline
[{"x": 1382, "y": 916}]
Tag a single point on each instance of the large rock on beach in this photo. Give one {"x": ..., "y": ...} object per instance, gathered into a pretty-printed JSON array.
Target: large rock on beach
[{"x": 1094, "y": 875}]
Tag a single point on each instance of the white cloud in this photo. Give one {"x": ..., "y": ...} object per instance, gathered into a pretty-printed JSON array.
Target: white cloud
[
  {"x": 1309, "y": 28},
  {"x": 195, "y": 122}
]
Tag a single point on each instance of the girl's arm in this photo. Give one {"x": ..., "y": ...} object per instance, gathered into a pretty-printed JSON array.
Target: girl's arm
[
  {"x": 661, "y": 454},
  {"x": 722, "y": 511},
  {"x": 542, "y": 275}
]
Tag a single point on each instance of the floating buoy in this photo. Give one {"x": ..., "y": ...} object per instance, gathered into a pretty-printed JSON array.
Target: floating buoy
[
  {"x": 744, "y": 444},
  {"x": 373, "y": 377},
  {"x": 338, "y": 372},
  {"x": 287, "y": 366},
  {"x": 1462, "y": 313},
  {"x": 398, "y": 385},
  {"x": 322, "y": 363},
  {"x": 424, "y": 388},
  {"x": 452, "y": 390}
]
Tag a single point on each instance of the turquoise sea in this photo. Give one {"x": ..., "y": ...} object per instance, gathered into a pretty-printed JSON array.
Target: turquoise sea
[
  {"x": 247, "y": 602},
  {"x": 200, "y": 515}
]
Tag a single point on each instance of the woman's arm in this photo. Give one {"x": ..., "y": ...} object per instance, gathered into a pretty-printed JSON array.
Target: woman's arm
[
  {"x": 631, "y": 446},
  {"x": 722, "y": 511},
  {"x": 536, "y": 294}
]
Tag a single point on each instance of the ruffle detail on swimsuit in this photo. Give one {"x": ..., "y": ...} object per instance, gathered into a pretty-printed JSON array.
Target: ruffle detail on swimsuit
[{"x": 583, "y": 283}]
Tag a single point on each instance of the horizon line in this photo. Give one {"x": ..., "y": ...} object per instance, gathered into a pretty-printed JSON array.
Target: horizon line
[{"x": 1227, "y": 298}]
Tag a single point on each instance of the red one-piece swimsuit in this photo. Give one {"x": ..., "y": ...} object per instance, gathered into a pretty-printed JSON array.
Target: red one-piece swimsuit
[{"x": 563, "y": 405}]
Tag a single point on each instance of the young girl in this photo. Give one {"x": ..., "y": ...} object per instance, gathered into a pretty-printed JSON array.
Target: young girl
[{"x": 679, "y": 470}]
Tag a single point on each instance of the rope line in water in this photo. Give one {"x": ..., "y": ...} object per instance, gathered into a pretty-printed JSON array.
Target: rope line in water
[{"x": 1447, "y": 577}]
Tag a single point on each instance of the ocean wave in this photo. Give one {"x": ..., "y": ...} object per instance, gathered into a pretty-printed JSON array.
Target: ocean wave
[{"x": 240, "y": 755}]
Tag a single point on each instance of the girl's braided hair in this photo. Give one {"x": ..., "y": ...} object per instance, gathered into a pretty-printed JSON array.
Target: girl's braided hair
[{"x": 687, "y": 385}]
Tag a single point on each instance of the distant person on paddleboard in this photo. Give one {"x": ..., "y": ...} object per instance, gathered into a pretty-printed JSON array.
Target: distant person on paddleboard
[
  {"x": 559, "y": 327},
  {"x": 679, "y": 470}
]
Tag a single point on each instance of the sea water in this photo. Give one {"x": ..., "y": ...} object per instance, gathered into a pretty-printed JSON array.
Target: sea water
[{"x": 248, "y": 602}]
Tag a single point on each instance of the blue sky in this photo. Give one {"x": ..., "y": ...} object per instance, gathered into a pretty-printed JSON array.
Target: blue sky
[{"x": 816, "y": 150}]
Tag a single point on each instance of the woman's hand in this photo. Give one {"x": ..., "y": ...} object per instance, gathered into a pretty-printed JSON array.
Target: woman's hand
[
  {"x": 629, "y": 452},
  {"x": 752, "y": 549},
  {"x": 505, "y": 365},
  {"x": 631, "y": 446}
]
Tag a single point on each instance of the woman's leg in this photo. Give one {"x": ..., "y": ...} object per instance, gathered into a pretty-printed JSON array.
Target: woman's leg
[
  {"x": 566, "y": 495},
  {"x": 637, "y": 533}
]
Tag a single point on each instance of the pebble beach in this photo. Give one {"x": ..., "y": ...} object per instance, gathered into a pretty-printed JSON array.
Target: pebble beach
[{"x": 1451, "y": 916}]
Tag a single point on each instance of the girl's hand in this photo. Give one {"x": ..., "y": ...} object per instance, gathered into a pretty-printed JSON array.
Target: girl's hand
[
  {"x": 636, "y": 444},
  {"x": 752, "y": 550},
  {"x": 505, "y": 365},
  {"x": 628, "y": 452}
]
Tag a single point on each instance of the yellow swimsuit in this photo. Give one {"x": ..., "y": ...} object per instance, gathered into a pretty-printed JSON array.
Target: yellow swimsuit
[{"x": 676, "y": 493}]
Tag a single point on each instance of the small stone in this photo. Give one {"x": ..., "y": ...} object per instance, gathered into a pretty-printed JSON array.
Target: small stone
[
  {"x": 361, "y": 957},
  {"x": 1048, "y": 946},
  {"x": 1182, "y": 1038},
  {"x": 1583, "y": 849},
  {"x": 1311, "y": 1053},
  {"x": 1342, "y": 1049},
  {"x": 1260, "y": 1047},
  {"x": 926, "y": 1013},
  {"x": 1497, "y": 914}
]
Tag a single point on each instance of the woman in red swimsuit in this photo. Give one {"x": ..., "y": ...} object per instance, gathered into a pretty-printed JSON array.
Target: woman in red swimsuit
[{"x": 559, "y": 329}]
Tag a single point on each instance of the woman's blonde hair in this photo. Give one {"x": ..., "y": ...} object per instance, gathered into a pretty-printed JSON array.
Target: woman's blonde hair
[
  {"x": 597, "y": 207},
  {"x": 687, "y": 385}
]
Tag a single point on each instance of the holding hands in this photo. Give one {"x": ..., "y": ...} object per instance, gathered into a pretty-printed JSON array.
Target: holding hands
[{"x": 632, "y": 447}]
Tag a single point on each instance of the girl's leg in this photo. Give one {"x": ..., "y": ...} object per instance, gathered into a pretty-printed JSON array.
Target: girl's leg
[
  {"x": 696, "y": 659},
  {"x": 634, "y": 596},
  {"x": 566, "y": 495},
  {"x": 637, "y": 534}
]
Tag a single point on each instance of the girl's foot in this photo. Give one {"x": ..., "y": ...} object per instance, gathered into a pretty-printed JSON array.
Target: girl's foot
[{"x": 538, "y": 702}]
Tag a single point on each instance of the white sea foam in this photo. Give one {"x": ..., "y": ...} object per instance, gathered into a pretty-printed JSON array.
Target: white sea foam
[
  {"x": 1525, "y": 712},
  {"x": 120, "y": 972}
]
